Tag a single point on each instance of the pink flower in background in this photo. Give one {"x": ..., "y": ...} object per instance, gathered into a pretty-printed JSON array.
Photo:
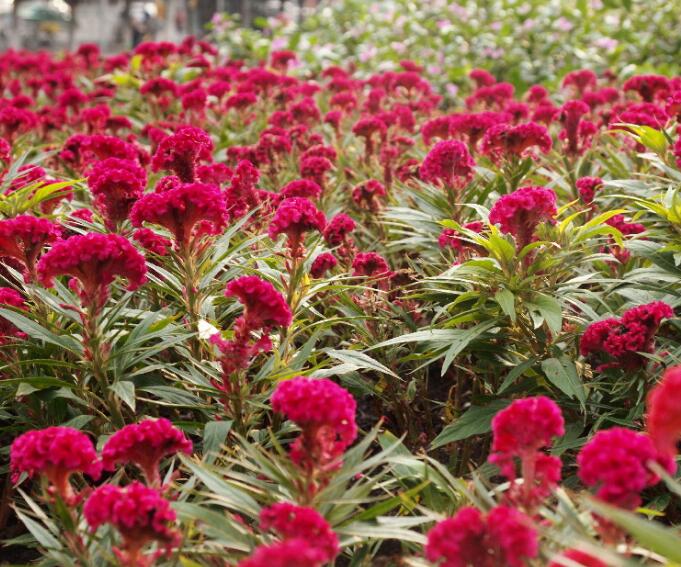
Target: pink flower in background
[
  {"x": 24, "y": 237},
  {"x": 448, "y": 163},
  {"x": 295, "y": 217},
  {"x": 182, "y": 152},
  {"x": 322, "y": 264},
  {"x": 663, "y": 419}
]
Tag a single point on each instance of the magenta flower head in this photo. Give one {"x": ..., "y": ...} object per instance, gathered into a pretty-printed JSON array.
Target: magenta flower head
[
  {"x": 94, "y": 260},
  {"x": 289, "y": 521},
  {"x": 56, "y": 453},
  {"x": 288, "y": 553},
  {"x": 322, "y": 264},
  {"x": 145, "y": 444},
  {"x": 373, "y": 266},
  {"x": 616, "y": 463},
  {"x": 571, "y": 114},
  {"x": 241, "y": 195},
  {"x": 528, "y": 424},
  {"x": 368, "y": 195},
  {"x": 23, "y": 238},
  {"x": 616, "y": 343},
  {"x": 587, "y": 188},
  {"x": 187, "y": 210},
  {"x": 116, "y": 184},
  {"x": 305, "y": 188},
  {"x": 447, "y": 163},
  {"x": 182, "y": 152},
  {"x": 338, "y": 231},
  {"x": 141, "y": 516},
  {"x": 5, "y": 151},
  {"x": 648, "y": 86},
  {"x": 507, "y": 141},
  {"x": 663, "y": 420},
  {"x": 264, "y": 306},
  {"x": 294, "y": 217},
  {"x": 504, "y": 537},
  {"x": 520, "y": 213},
  {"x": 325, "y": 412}
]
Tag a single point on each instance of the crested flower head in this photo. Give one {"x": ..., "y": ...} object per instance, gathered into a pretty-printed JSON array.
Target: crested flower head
[
  {"x": 505, "y": 537},
  {"x": 322, "y": 264},
  {"x": 505, "y": 140},
  {"x": 116, "y": 184},
  {"x": 23, "y": 238},
  {"x": 287, "y": 553},
  {"x": 56, "y": 453},
  {"x": 616, "y": 463},
  {"x": 295, "y": 217},
  {"x": 94, "y": 260},
  {"x": 139, "y": 513},
  {"x": 264, "y": 306},
  {"x": 182, "y": 151},
  {"x": 145, "y": 444},
  {"x": 520, "y": 213},
  {"x": 187, "y": 210},
  {"x": 368, "y": 195},
  {"x": 12, "y": 298},
  {"x": 587, "y": 188},
  {"x": 338, "y": 229},
  {"x": 447, "y": 162},
  {"x": 305, "y": 188},
  {"x": 618, "y": 342},
  {"x": 663, "y": 421}
]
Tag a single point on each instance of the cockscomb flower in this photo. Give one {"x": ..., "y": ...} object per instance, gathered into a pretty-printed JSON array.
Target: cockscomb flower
[
  {"x": 616, "y": 463},
  {"x": 182, "y": 152},
  {"x": 482, "y": 77},
  {"x": 80, "y": 151},
  {"x": 288, "y": 553},
  {"x": 94, "y": 260},
  {"x": 504, "y": 537},
  {"x": 587, "y": 187},
  {"x": 154, "y": 243},
  {"x": 24, "y": 237},
  {"x": 617, "y": 343},
  {"x": 12, "y": 298},
  {"x": 581, "y": 80},
  {"x": 145, "y": 444},
  {"x": 116, "y": 184},
  {"x": 5, "y": 151},
  {"x": 505, "y": 140},
  {"x": 295, "y": 217},
  {"x": 289, "y": 521},
  {"x": 187, "y": 210},
  {"x": 369, "y": 128},
  {"x": 241, "y": 195},
  {"x": 521, "y": 212},
  {"x": 368, "y": 195},
  {"x": 325, "y": 412},
  {"x": 305, "y": 188},
  {"x": 140, "y": 514},
  {"x": 648, "y": 86},
  {"x": 264, "y": 306},
  {"x": 337, "y": 232},
  {"x": 373, "y": 266},
  {"x": 322, "y": 264},
  {"x": 663, "y": 420},
  {"x": 472, "y": 126},
  {"x": 315, "y": 168},
  {"x": 491, "y": 97},
  {"x": 56, "y": 453},
  {"x": 438, "y": 127},
  {"x": 447, "y": 162},
  {"x": 571, "y": 118},
  {"x": 575, "y": 557}
]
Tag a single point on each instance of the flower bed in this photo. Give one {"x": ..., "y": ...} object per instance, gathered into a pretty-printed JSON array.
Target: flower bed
[{"x": 253, "y": 317}]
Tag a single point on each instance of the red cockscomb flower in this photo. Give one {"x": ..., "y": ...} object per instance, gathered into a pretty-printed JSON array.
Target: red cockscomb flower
[
  {"x": 469, "y": 539},
  {"x": 24, "y": 237},
  {"x": 520, "y": 213},
  {"x": 663, "y": 420},
  {"x": 446, "y": 163},
  {"x": 140, "y": 514},
  {"x": 187, "y": 210},
  {"x": 182, "y": 151},
  {"x": 56, "y": 453},
  {"x": 505, "y": 140},
  {"x": 264, "y": 306},
  {"x": 94, "y": 260},
  {"x": 322, "y": 264},
  {"x": 305, "y": 188},
  {"x": 587, "y": 187},
  {"x": 368, "y": 195},
  {"x": 145, "y": 444},
  {"x": 294, "y": 217}
]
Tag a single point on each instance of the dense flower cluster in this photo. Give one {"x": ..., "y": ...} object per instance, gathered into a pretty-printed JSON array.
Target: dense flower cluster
[
  {"x": 56, "y": 453},
  {"x": 619, "y": 342},
  {"x": 505, "y": 140},
  {"x": 186, "y": 210},
  {"x": 505, "y": 536},
  {"x": 93, "y": 260},
  {"x": 295, "y": 217},
  {"x": 145, "y": 444},
  {"x": 325, "y": 413},
  {"x": 140, "y": 514},
  {"x": 616, "y": 462},
  {"x": 521, "y": 212},
  {"x": 24, "y": 237},
  {"x": 182, "y": 152}
]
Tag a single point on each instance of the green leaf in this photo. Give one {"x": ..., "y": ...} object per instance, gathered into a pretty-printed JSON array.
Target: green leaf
[
  {"x": 562, "y": 373},
  {"x": 462, "y": 340},
  {"x": 39, "y": 532},
  {"x": 360, "y": 360},
  {"x": 125, "y": 390},
  {"x": 33, "y": 330},
  {"x": 214, "y": 435},
  {"x": 550, "y": 310},
  {"x": 506, "y": 301},
  {"x": 476, "y": 421}
]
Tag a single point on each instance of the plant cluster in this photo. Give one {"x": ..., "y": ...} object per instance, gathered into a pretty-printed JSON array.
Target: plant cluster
[{"x": 253, "y": 319}]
